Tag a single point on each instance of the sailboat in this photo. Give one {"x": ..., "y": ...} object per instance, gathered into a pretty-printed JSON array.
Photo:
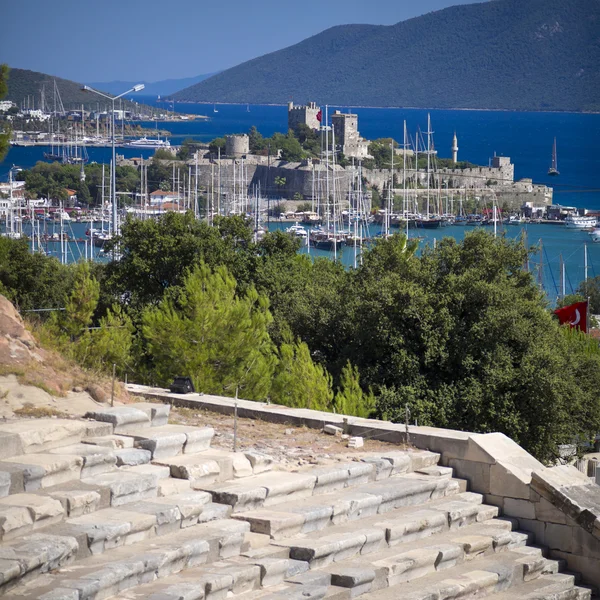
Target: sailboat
[
  {"x": 247, "y": 108},
  {"x": 215, "y": 108},
  {"x": 553, "y": 170}
]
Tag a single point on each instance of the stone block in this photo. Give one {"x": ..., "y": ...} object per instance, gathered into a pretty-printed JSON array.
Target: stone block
[
  {"x": 436, "y": 471},
  {"x": 96, "y": 459},
  {"x": 559, "y": 537},
  {"x": 126, "y": 486},
  {"x": 39, "y": 435},
  {"x": 330, "y": 479},
  {"x": 260, "y": 462},
  {"x": 45, "y": 470},
  {"x": 162, "y": 444},
  {"x": 588, "y": 567},
  {"x": 333, "y": 430},
  {"x": 272, "y": 570},
  {"x": 422, "y": 459},
  {"x": 170, "y": 486},
  {"x": 10, "y": 445},
  {"x": 400, "y": 461},
  {"x": 585, "y": 544},
  {"x": 521, "y": 509},
  {"x": 111, "y": 528},
  {"x": 157, "y": 413},
  {"x": 274, "y": 523},
  {"x": 507, "y": 482},
  {"x": 547, "y": 512},
  {"x": 354, "y": 505},
  {"x": 315, "y": 517},
  {"x": 413, "y": 526},
  {"x": 239, "y": 495},
  {"x": 190, "y": 505},
  {"x": 43, "y": 510},
  {"x": 168, "y": 516},
  {"x": 476, "y": 473},
  {"x": 212, "y": 511},
  {"x": 240, "y": 465},
  {"x": 131, "y": 457},
  {"x": 77, "y": 502},
  {"x": 200, "y": 471},
  {"x": 383, "y": 467},
  {"x": 356, "y": 442},
  {"x": 97, "y": 429},
  {"x": 15, "y": 521},
  {"x": 123, "y": 418},
  {"x": 5, "y": 483},
  {"x": 114, "y": 442},
  {"x": 359, "y": 473}
]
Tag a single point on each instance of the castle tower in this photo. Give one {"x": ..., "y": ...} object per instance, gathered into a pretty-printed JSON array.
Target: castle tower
[{"x": 455, "y": 148}]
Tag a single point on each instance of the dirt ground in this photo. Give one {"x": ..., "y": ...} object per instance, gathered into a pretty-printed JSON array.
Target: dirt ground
[{"x": 287, "y": 444}]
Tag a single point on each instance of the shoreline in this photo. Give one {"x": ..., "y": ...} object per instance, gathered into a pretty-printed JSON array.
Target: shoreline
[{"x": 506, "y": 110}]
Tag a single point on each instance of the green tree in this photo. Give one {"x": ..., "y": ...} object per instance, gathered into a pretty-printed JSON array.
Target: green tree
[
  {"x": 591, "y": 289},
  {"x": 81, "y": 303},
  {"x": 111, "y": 343},
  {"x": 212, "y": 334},
  {"x": 5, "y": 130},
  {"x": 298, "y": 381},
  {"x": 350, "y": 399},
  {"x": 218, "y": 144}
]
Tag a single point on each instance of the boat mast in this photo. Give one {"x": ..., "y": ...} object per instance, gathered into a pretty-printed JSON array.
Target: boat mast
[
  {"x": 428, "y": 159},
  {"x": 404, "y": 203},
  {"x": 585, "y": 262}
]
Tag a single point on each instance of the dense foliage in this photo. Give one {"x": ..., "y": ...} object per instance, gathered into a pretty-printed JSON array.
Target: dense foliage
[
  {"x": 459, "y": 333},
  {"x": 509, "y": 54}
]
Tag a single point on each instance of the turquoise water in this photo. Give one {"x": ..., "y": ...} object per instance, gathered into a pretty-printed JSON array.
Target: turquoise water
[{"x": 557, "y": 242}]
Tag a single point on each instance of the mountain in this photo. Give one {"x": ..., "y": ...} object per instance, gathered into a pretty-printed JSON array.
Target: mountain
[
  {"x": 156, "y": 88},
  {"x": 23, "y": 83},
  {"x": 503, "y": 54}
]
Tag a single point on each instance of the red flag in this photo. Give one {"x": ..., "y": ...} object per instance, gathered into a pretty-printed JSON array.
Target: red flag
[
  {"x": 574, "y": 315},
  {"x": 319, "y": 116}
]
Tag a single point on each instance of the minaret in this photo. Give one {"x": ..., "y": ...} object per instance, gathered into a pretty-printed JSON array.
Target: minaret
[{"x": 455, "y": 148}]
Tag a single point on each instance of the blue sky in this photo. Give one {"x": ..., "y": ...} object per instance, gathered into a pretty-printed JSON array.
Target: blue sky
[{"x": 151, "y": 40}]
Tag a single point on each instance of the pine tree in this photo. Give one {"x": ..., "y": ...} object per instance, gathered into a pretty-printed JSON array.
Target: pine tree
[
  {"x": 298, "y": 381},
  {"x": 350, "y": 399},
  {"x": 81, "y": 304},
  {"x": 213, "y": 335}
]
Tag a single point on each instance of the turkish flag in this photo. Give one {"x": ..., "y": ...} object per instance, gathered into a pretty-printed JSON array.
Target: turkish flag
[
  {"x": 574, "y": 315},
  {"x": 319, "y": 116}
]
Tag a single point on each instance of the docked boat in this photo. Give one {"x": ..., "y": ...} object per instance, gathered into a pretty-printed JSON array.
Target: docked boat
[
  {"x": 298, "y": 231},
  {"x": 145, "y": 142},
  {"x": 430, "y": 223},
  {"x": 577, "y": 222},
  {"x": 324, "y": 240}
]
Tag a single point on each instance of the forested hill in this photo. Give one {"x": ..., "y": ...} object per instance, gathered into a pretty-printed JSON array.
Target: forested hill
[
  {"x": 23, "y": 83},
  {"x": 504, "y": 54}
]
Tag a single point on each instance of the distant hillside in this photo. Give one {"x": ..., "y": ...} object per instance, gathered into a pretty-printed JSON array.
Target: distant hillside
[
  {"x": 156, "y": 88},
  {"x": 506, "y": 54},
  {"x": 23, "y": 83}
]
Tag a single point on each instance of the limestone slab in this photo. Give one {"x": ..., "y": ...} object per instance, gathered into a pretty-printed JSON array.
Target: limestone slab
[
  {"x": 96, "y": 459},
  {"x": 157, "y": 413},
  {"x": 45, "y": 470},
  {"x": 126, "y": 486},
  {"x": 114, "y": 441},
  {"x": 40, "y": 435},
  {"x": 131, "y": 457},
  {"x": 196, "y": 468},
  {"x": 260, "y": 462},
  {"x": 123, "y": 418}
]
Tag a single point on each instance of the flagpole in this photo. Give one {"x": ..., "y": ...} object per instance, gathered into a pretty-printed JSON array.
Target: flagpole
[{"x": 587, "y": 317}]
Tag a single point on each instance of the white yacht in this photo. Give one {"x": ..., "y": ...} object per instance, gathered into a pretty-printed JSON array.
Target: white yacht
[
  {"x": 298, "y": 231},
  {"x": 144, "y": 142},
  {"x": 577, "y": 222}
]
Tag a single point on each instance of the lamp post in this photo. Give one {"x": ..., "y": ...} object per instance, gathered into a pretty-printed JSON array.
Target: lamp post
[{"x": 113, "y": 180}]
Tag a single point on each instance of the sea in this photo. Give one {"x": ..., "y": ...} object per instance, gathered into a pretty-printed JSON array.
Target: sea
[{"x": 526, "y": 137}]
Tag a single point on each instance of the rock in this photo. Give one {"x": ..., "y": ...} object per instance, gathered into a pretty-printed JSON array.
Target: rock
[
  {"x": 78, "y": 389},
  {"x": 97, "y": 393},
  {"x": 16, "y": 343},
  {"x": 289, "y": 431}
]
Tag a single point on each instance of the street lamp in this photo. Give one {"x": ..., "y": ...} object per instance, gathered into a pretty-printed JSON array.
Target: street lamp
[{"x": 113, "y": 180}]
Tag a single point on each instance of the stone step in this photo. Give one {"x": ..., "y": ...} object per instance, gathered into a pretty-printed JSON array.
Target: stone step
[
  {"x": 166, "y": 441},
  {"x": 547, "y": 587},
  {"x": 36, "y": 436},
  {"x": 125, "y": 567},
  {"x": 487, "y": 576},
  {"x": 339, "y": 543},
  {"x": 30, "y": 472},
  {"x": 123, "y": 419},
  {"x": 96, "y": 459},
  {"x": 20, "y": 514},
  {"x": 319, "y": 512}
]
